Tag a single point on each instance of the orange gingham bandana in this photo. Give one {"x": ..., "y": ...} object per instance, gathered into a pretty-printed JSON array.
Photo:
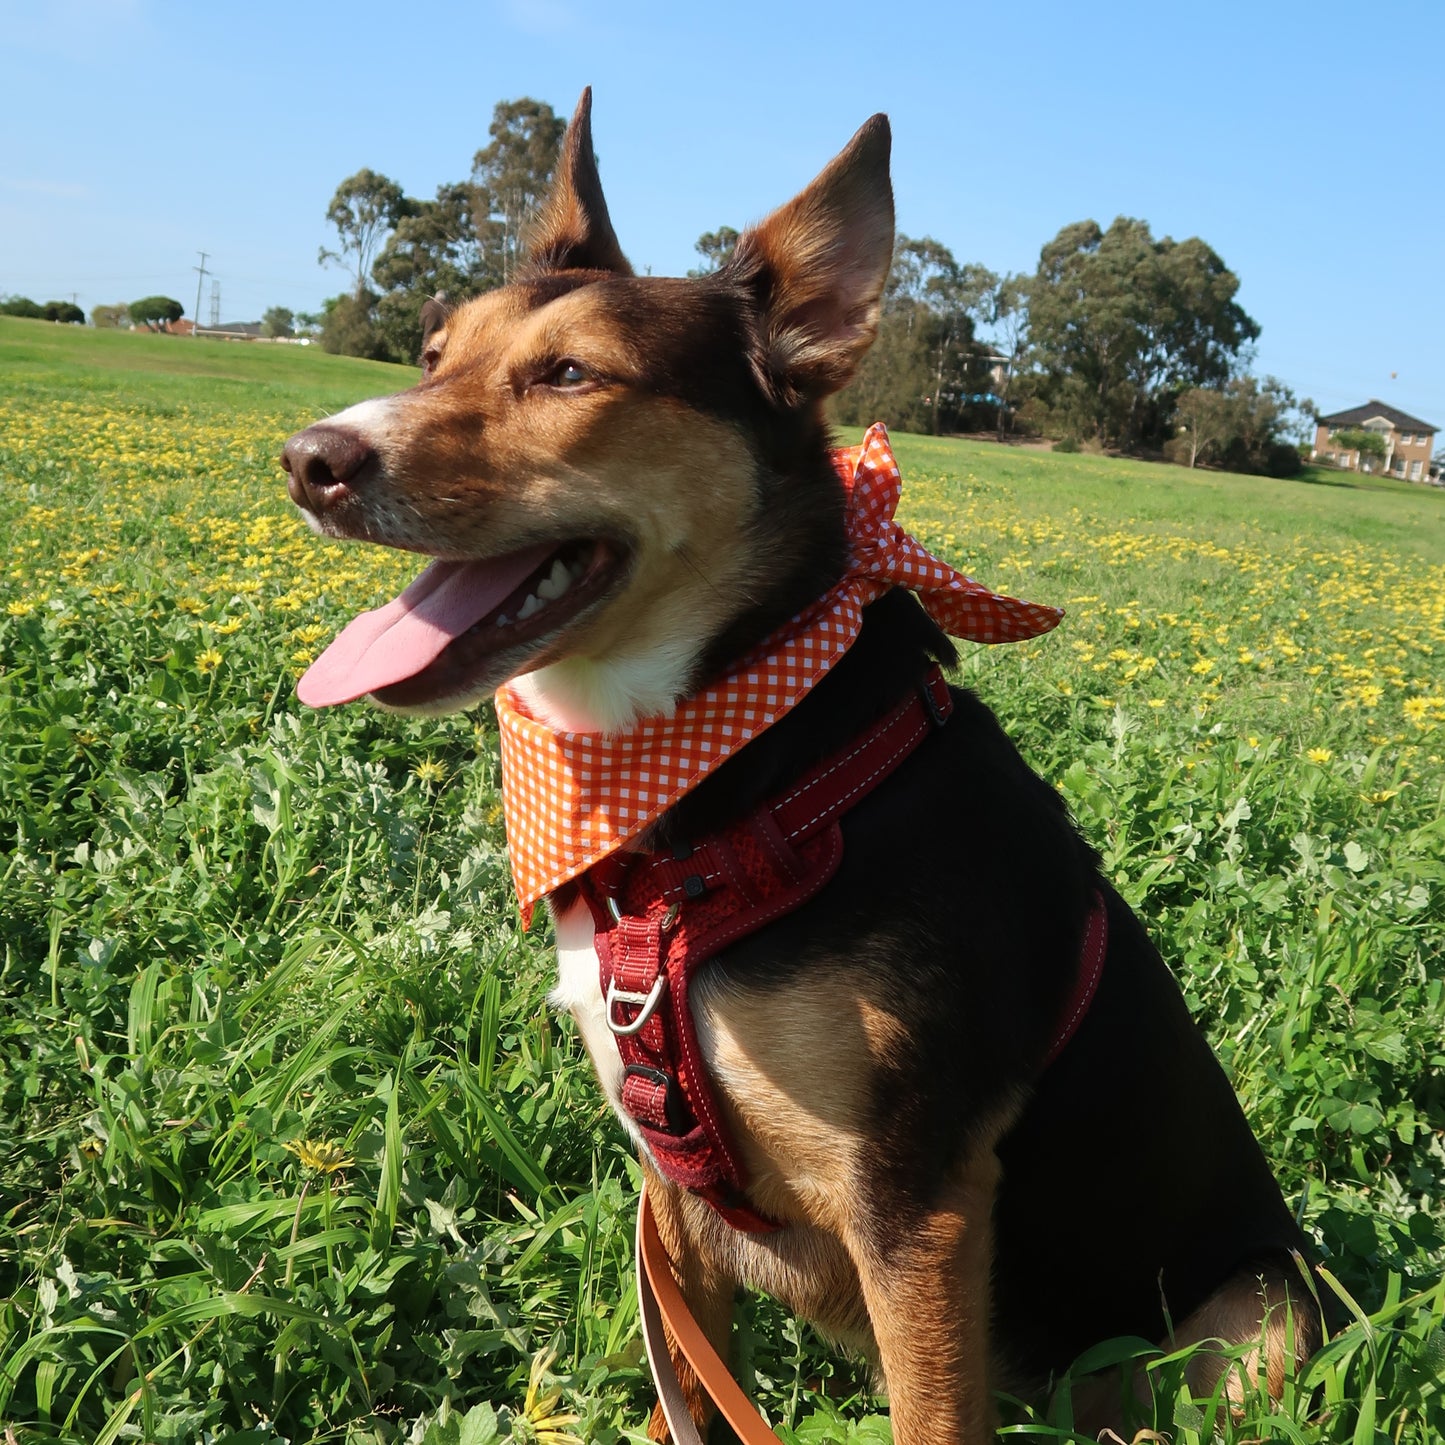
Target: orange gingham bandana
[{"x": 570, "y": 799}]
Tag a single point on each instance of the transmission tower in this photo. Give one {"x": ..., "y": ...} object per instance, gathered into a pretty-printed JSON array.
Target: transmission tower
[{"x": 215, "y": 303}]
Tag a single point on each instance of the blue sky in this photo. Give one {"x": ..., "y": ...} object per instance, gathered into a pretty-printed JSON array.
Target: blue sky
[{"x": 1303, "y": 142}]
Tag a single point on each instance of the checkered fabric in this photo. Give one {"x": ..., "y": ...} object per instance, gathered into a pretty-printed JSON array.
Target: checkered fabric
[{"x": 570, "y": 799}]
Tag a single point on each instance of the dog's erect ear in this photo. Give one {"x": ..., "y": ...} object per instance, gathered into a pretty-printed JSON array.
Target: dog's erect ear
[
  {"x": 819, "y": 265},
  {"x": 572, "y": 230},
  {"x": 434, "y": 313}
]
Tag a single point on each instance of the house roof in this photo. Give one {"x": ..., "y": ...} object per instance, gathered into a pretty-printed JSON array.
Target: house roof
[{"x": 1400, "y": 420}]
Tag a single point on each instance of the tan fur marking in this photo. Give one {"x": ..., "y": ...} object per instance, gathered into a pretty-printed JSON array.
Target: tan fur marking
[
  {"x": 1259, "y": 1310},
  {"x": 1249, "y": 1309},
  {"x": 929, "y": 1301},
  {"x": 801, "y": 1113}
]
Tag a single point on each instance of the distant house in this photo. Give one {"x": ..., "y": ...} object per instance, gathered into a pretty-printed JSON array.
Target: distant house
[
  {"x": 235, "y": 331},
  {"x": 1408, "y": 440}
]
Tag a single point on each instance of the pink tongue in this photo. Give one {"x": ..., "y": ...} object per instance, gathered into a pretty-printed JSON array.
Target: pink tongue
[{"x": 396, "y": 641}]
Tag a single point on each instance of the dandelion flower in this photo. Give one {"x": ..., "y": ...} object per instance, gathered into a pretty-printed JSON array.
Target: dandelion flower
[
  {"x": 1319, "y": 755},
  {"x": 539, "y": 1409},
  {"x": 323, "y": 1156}
]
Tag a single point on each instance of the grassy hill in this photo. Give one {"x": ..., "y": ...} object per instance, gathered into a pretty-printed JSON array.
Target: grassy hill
[{"x": 290, "y": 1145}]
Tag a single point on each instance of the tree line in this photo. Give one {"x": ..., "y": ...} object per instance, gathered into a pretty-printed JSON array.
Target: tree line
[
  {"x": 1118, "y": 339},
  {"x": 63, "y": 311}
]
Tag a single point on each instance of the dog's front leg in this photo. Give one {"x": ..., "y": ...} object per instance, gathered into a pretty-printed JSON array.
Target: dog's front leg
[
  {"x": 707, "y": 1293},
  {"x": 925, "y": 1276}
]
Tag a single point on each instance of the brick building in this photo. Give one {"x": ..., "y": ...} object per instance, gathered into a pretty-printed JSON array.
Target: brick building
[{"x": 1408, "y": 441}]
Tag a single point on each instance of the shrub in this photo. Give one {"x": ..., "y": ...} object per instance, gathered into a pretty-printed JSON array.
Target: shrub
[{"x": 1282, "y": 460}]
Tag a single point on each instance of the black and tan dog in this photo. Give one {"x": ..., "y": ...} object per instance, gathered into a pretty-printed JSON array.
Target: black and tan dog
[{"x": 635, "y": 472}]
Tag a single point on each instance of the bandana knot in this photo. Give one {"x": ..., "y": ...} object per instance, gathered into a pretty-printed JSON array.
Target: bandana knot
[{"x": 571, "y": 798}]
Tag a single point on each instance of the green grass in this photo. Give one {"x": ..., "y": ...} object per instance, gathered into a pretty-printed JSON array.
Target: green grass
[{"x": 230, "y": 927}]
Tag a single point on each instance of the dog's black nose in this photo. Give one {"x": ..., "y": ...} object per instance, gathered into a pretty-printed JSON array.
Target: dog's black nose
[{"x": 320, "y": 462}]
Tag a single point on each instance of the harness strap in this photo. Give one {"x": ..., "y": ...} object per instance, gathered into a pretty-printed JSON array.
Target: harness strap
[{"x": 1086, "y": 983}]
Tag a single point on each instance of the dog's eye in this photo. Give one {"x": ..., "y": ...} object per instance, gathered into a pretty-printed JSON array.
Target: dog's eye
[{"x": 568, "y": 373}]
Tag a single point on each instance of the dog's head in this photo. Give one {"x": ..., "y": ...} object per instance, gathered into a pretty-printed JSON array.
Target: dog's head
[{"x": 624, "y": 479}]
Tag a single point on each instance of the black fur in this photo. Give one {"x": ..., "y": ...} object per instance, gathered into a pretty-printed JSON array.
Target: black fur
[{"x": 1132, "y": 1185}]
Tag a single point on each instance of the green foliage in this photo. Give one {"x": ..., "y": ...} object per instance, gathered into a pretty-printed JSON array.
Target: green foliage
[
  {"x": 1243, "y": 425},
  {"x": 464, "y": 242},
  {"x": 278, "y": 321},
  {"x": 290, "y": 1146},
  {"x": 1362, "y": 440},
  {"x": 364, "y": 209},
  {"x": 349, "y": 328},
  {"x": 63, "y": 311},
  {"x": 512, "y": 172},
  {"x": 716, "y": 249},
  {"x": 440, "y": 248},
  {"x": 1122, "y": 323},
  {"x": 110, "y": 317},
  {"x": 924, "y": 367},
  {"x": 156, "y": 312}
]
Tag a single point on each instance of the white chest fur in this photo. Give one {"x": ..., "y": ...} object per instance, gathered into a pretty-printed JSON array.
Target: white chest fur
[{"x": 579, "y": 992}]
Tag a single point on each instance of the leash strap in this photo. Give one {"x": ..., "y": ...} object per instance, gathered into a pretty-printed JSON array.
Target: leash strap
[{"x": 662, "y": 1304}]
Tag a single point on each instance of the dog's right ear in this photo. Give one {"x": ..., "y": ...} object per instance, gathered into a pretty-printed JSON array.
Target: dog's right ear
[
  {"x": 818, "y": 266},
  {"x": 573, "y": 231}
]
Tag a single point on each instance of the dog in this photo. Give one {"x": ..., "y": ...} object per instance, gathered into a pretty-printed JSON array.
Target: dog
[{"x": 627, "y": 485}]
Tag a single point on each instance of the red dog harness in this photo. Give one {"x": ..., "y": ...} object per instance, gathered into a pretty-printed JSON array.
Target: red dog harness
[{"x": 660, "y": 916}]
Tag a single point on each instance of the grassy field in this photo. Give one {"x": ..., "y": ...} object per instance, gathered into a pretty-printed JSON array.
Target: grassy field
[{"x": 290, "y": 1147}]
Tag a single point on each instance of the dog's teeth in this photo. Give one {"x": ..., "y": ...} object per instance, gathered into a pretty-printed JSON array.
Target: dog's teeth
[
  {"x": 555, "y": 583},
  {"x": 503, "y": 620},
  {"x": 530, "y": 606}
]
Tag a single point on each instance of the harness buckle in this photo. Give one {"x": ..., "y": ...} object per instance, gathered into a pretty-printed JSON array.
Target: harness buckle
[
  {"x": 648, "y": 1002},
  {"x": 937, "y": 700}
]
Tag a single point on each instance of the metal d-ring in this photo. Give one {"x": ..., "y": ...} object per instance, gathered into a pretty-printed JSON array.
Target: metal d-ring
[{"x": 648, "y": 1001}]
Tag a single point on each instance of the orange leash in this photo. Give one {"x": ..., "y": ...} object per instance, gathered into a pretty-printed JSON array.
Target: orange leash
[{"x": 661, "y": 1302}]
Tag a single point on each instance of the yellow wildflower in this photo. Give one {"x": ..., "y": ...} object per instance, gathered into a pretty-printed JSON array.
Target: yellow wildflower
[{"x": 324, "y": 1156}]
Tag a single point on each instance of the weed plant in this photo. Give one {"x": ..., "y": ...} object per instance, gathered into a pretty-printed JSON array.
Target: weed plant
[{"x": 291, "y": 1148}]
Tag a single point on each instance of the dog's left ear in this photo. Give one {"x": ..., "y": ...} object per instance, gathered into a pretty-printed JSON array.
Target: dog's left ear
[
  {"x": 573, "y": 230},
  {"x": 819, "y": 265},
  {"x": 434, "y": 313}
]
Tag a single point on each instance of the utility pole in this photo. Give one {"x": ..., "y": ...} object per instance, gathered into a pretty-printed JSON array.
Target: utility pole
[{"x": 196, "y": 329}]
